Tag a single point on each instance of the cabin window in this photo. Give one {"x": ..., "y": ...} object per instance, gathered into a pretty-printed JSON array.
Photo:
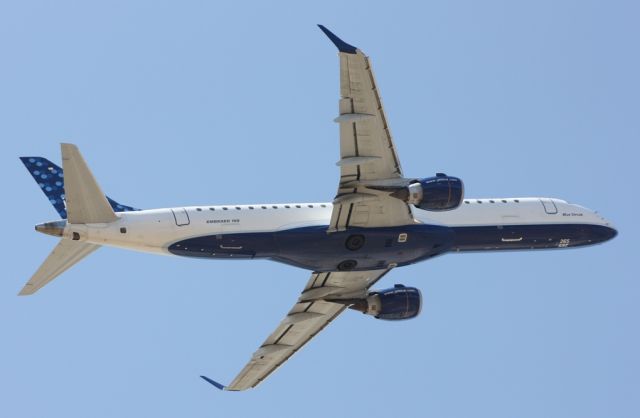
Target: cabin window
[
  {"x": 298, "y": 206},
  {"x": 516, "y": 200},
  {"x": 324, "y": 206},
  {"x": 287, "y": 206},
  {"x": 274, "y": 206},
  {"x": 199, "y": 209},
  {"x": 263, "y": 207},
  {"x": 211, "y": 209},
  {"x": 238, "y": 207},
  {"x": 492, "y": 201},
  {"x": 251, "y": 207},
  {"x": 310, "y": 206},
  {"x": 225, "y": 208},
  {"x": 504, "y": 201},
  {"x": 479, "y": 201},
  {"x": 466, "y": 201}
]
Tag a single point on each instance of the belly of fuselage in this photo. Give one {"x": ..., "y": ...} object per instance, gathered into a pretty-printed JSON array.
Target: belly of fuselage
[
  {"x": 313, "y": 248},
  {"x": 529, "y": 237}
]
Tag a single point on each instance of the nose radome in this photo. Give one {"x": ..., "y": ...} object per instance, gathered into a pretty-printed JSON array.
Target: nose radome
[
  {"x": 602, "y": 233},
  {"x": 607, "y": 230},
  {"x": 610, "y": 233}
]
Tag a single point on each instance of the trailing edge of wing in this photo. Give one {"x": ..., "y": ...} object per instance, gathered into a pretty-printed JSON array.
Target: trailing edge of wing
[{"x": 339, "y": 43}]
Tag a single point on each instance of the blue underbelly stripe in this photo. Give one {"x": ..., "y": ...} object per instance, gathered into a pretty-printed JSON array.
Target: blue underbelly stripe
[{"x": 312, "y": 248}]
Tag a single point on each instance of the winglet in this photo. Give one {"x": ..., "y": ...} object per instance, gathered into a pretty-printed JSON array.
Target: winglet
[
  {"x": 214, "y": 383},
  {"x": 342, "y": 45}
]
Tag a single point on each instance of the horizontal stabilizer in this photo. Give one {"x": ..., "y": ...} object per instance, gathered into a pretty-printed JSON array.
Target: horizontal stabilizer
[
  {"x": 64, "y": 255},
  {"x": 85, "y": 201}
]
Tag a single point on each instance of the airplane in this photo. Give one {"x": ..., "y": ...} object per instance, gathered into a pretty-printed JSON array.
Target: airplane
[{"x": 378, "y": 220}]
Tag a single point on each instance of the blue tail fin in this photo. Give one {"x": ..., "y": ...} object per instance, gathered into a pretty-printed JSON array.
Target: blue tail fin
[{"x": 50, "y": 178}]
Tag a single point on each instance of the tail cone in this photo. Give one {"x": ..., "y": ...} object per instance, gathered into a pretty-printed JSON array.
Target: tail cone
[{"x": 55, "y": 228}]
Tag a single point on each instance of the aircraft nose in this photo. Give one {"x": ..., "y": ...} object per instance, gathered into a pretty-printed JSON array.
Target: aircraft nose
[
  {"x": 602, "y": 233},
  {"x": 610, "y": 233},
  {"x": 606, "y": 230}
]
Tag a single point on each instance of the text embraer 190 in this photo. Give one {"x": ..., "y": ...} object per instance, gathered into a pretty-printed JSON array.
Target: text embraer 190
[{"x": 378, "y": 220}]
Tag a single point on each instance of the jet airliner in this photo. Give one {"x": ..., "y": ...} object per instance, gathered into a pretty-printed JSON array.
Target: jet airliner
[{"x": 378, "y": 220}]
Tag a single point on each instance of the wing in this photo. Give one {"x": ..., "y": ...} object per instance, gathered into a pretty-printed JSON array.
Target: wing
[
  {"x": 368, "y": 155},
  {"x": 308, "y": 317}
]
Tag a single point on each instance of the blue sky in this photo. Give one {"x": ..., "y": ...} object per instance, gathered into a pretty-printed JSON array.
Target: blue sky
[{"x": 187, "y": 103}]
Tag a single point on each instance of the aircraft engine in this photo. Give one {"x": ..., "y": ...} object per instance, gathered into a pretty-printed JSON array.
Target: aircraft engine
[
  {"x": 397, "y": 303},
  {"x": 437, "y": 193}
]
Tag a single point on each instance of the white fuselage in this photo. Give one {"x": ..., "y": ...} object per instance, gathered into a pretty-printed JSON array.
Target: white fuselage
[{"x": 155, "y": 230}]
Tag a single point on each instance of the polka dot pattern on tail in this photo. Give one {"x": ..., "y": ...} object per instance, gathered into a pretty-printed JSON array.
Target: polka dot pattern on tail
[{"x": 52, "y": 184}]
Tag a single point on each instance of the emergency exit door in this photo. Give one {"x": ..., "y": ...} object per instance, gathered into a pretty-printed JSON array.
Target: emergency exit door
[
  {"x": 181, "y": 216},
  {"x": 549, "y": 206}
]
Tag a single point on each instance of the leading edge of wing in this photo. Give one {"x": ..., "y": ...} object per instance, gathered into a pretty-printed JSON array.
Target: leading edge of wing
[{"x": 339, "y": 43}]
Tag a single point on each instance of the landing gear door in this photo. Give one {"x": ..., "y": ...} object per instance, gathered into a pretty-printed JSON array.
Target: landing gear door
[{"x": 549, "y": 206}]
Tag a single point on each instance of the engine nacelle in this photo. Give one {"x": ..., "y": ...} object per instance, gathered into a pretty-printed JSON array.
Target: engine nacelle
[
  {"x": 437, "y": 193},
  {"x": 397, "y": 303}
]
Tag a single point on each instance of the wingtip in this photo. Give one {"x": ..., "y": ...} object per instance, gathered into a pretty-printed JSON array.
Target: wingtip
[
  {"x": 214, "y": 383},
  {"x": 339, "y": 43}
]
